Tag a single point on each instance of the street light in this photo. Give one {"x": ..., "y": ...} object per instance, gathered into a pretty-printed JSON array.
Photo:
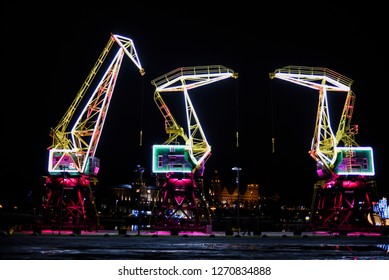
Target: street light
[
  {"x": 63, "y": 169},
  {"x": 140, "y": 171},
  {"x": 237, "y": 169}
]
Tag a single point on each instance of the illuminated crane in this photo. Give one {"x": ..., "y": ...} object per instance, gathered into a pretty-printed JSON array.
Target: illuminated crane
[
  {"x": 179, "y": 161},
  {"x": 342, "y": 198},
  {"x": 72, "y": 164}
]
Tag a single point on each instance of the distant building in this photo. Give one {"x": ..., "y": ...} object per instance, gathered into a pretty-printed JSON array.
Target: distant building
[
  {"x": 214, "y": 192},
  {"x": 226, "y": 198},
  {"x": 132, "y": 197},
  {"x": 248, "y": 199},
  {"x": 125, "y": 198}
]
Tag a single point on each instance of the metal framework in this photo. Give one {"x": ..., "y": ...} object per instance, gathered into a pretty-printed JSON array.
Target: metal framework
[
  {"x": 72, "y": 164},
  {"x": 342, "y": 197},
  {"x": 179, "y": 161}
]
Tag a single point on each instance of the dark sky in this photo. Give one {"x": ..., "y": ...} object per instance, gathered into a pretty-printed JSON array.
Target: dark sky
[{"x": 48, "y": 51}]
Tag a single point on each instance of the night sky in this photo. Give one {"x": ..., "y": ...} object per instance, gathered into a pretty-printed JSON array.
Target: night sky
[{"x": 48, "y": 51}]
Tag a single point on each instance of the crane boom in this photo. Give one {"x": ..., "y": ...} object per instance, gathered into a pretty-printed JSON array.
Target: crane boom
[{"x": 73, "y": 151}]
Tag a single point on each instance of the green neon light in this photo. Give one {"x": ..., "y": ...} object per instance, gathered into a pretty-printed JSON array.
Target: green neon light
[
  {"x": 171, "y": 158},
  {"x": 355, "y": 161}
]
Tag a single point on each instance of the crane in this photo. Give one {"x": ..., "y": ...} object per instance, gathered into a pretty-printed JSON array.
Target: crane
[
  {"x": 343, "y": 196},
  {"x": 179, "y": 162},
  {"x": 72, "y": 164}
]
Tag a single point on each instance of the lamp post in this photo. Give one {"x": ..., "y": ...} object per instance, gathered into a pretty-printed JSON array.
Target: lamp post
[
  {"x": 237, "y": 169},
  {"x": 63, "y": 169},
  {"x": 140, "y": 171}
]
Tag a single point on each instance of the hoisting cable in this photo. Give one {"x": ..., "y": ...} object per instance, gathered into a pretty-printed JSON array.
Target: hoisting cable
[
  {"x": 237, "y": 113},
  {"x": 272, "y": 117},
  {"x": 141, "y": 112}
]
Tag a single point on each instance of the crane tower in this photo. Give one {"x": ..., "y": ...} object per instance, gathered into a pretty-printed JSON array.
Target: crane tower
[
  {"x": 72, "y": 165},
  {"x": 179, "y": 162},
  {"x": 344, "y": 193}
]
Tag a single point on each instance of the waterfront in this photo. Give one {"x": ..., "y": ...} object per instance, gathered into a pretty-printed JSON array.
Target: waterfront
[{"x": 157, "y": 246}]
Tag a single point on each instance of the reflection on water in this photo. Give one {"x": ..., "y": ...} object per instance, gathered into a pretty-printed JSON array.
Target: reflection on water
[{"x": 117, "y": 247}]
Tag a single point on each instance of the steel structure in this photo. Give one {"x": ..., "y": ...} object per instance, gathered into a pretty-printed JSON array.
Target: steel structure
[
  {"x": 344, "y": 193},
  {"x": 72, "y": 165},
  {"x": 179, "y": 162}
]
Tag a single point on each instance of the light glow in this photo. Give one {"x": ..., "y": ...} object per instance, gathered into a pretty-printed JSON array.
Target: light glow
[
  {"x": 355, "y": 161},
  {"x": 172, "y": 158}
]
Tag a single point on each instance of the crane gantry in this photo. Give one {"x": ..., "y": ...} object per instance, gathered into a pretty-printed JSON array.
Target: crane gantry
[
  {"x": 179, "y": 161},
  {"x": 72, "y": 164}
]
